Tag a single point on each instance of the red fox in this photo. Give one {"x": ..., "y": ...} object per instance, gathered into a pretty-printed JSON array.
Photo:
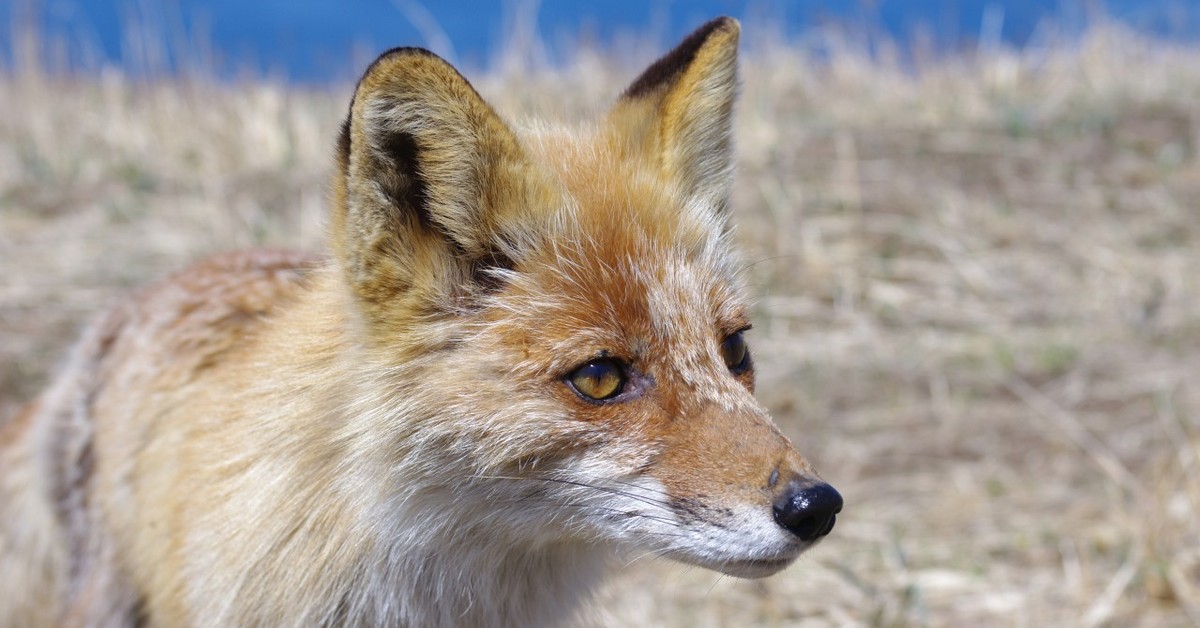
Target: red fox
[{"x": 524, "y": 355}]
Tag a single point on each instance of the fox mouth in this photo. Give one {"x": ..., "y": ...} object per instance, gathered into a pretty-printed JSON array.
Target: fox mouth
[
  {"x": 755, "y": 567},
  {"x": 742, "y": 567}
]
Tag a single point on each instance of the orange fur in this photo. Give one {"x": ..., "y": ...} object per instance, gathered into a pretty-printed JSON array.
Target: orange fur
[{"x": 389, "y": 436}]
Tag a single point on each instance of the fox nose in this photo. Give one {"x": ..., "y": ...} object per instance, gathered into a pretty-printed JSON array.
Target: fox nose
[{"x": 808, "y": 510}]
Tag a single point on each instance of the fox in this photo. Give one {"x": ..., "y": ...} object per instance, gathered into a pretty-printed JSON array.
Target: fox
[{"x": 523, "y": 356}]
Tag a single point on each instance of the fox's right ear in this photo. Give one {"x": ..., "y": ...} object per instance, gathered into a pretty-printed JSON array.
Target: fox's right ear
[{"x": 435, "y": 197}]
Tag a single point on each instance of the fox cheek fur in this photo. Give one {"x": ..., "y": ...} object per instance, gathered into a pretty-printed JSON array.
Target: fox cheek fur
[{"x": 527, "y": 352}]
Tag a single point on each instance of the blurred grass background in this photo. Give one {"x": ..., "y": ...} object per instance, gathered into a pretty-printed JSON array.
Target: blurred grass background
[{"x": 978, "y": 284}]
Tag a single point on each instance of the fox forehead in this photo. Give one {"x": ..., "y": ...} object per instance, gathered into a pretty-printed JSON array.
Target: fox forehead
[{"x": 629, "y": 265}]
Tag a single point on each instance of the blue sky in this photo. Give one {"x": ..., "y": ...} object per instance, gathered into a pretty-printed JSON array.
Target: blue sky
[{"x": 319, "y": 40}]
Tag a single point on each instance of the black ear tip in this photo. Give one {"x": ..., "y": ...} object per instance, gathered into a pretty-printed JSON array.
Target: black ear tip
[
  {"x": 401, "y": 51},
  {"x": 720, "y": 23},
  {"x": 393, "y": 55},
  {"x": 409, "y": 69},
  {"x": 724, "y": 24},
  {"x": 407, "y": 50},
  {"x": 675, "y": 62}
]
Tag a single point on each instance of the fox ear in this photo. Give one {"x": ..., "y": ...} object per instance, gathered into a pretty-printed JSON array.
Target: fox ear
[
  {"x": 435, "y": 195},
  {"x": 678, "y": 113}
]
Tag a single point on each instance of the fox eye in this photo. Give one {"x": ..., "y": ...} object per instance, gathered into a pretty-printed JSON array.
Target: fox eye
[
  {"x": 735, "y": 353},
  {"x": 598, "y": 380}
]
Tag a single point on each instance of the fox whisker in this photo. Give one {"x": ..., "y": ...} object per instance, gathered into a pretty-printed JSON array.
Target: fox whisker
[{"x": 596, "y": 487}]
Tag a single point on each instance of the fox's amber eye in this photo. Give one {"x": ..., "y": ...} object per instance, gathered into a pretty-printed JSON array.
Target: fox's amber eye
[
  {"x": 598, "y": 380},
  {"x": 735, "y": 353}
]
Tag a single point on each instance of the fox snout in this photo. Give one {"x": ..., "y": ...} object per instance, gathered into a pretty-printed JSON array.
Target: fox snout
[{"x": 807, "y": 509}]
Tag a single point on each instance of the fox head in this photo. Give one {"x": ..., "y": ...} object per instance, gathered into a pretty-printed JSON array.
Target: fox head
[{"x": 553, "y": 327}]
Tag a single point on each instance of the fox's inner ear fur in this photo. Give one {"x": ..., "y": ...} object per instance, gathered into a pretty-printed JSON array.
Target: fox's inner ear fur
[
  {"x": 679, "y": 112},
  {"x": 435, "y": 192}
]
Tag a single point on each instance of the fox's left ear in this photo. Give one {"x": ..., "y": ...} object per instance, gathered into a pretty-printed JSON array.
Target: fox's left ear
[{"x": 678, "y": 113}]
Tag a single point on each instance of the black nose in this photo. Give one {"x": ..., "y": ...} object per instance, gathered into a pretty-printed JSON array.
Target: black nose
[{"x": 808, "y": 511}]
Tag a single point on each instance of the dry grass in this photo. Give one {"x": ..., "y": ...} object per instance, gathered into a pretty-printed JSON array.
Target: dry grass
[{"x": 979, "y": 302}]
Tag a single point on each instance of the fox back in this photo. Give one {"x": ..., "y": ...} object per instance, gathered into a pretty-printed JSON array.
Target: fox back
[{"x": 525, "y": 354}]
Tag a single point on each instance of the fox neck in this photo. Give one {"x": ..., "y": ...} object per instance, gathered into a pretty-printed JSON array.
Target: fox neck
[
  {"x": 471, "y": 578},
  {"x": 452, "y": 551}
]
